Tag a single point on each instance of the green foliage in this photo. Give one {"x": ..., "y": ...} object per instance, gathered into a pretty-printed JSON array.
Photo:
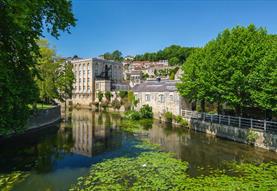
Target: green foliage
[
  {"x": 132, "y": 115},
  {"x": 176, "y": 55},
  {"x": 155, "y": 170},
  {"x": 168, "y": 117},
  {"x": 116, "y": 104},
  {"x": 56, "y": 77},
  {"x": 122, "y": 94},
  {"x": 8, "y": 181},
  {"x": 237, "y": 68},
  {"x": 146, "y": 112},
  {"x": 181, "y": 121},
  {"x": 21, "y": 25},
  {"x": 100, "y": 96},
  {"x": 251, "y": 136},
  {"x": 115, "y": 55},
  {"x": 108, "y": 95}
]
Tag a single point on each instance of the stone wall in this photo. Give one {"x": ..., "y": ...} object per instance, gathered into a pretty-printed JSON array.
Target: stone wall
[
  {"x": 171, "y": 102},
  {"x": 266, "y": 140},
  {"x": 44, "y": 118}
]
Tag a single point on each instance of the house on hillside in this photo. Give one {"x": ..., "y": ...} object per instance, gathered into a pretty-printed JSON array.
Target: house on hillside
[{"x": 161, "y": 95}]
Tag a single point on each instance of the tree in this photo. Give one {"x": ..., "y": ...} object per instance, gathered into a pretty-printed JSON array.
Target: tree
[
  {"x": 65, "y": 81},
  {"x": 116, "y": 104},
  {"x": 115, "y": 55},
  {"x": 100, "y": 96},
  {"x": 21, "y": 25},
  {"x": 56, "y": 77},
  {"x": 238, "y": 68},
  {"x": 108, "y": 96},
  {"x": 176, "y": 55},
  {"x": 47, "y": 68}
]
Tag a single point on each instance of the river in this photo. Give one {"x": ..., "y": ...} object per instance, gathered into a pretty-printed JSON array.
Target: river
[{"x": 55, "y": 157}]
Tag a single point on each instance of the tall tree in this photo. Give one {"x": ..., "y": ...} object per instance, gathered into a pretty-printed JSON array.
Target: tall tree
[
  {"x": 21, "y": 24},
  {"x": 237, "y": 68}
]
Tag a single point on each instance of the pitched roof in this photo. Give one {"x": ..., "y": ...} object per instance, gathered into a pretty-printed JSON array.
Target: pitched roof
[{"x": 156, "y": 86}]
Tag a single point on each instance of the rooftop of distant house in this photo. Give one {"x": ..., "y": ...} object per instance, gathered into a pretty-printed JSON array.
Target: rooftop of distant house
[{"x": 156, "y": 86}]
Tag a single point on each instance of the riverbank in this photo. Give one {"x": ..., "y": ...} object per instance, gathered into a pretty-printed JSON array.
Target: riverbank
[{"x": 41, "y": 118}]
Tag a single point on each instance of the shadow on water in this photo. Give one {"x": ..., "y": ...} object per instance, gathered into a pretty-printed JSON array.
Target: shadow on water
[{"x": 55, "y": 157}]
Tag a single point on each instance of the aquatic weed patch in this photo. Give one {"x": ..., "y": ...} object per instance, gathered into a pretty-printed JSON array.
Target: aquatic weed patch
[
  {"x": 155, "y": 170},
  {"x": 148, "y": 171},
  {"x": 8, "y": 181}
]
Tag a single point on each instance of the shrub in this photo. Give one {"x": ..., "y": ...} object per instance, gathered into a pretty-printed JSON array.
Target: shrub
[
  {"x": 132, "y": 115},
  {"x": 251, "y": 136},
  {"x": 116, "y": 104},
  {"x": 168, "y": 117},
  {"x": 181, "y": 121},
  {"x": 146, "y": 112}
]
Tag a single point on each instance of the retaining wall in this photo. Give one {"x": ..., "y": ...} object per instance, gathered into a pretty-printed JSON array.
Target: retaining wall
[
  {"x": 44, "y": 117},
  {"x": 266, "y": 140}
]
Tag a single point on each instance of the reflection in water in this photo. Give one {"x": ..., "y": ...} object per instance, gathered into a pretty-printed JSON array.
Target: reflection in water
[
  {"x": 92, "y": 132},
  {"x": 55, "y": 157}
]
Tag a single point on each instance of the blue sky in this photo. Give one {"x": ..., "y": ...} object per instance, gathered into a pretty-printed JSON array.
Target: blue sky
[{"x": 135, "y": 27}]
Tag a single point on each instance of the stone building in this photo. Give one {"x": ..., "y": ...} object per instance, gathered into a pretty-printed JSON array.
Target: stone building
[
  {"x": 161, "y": 95},
  {"x": 92, "y": 75}
]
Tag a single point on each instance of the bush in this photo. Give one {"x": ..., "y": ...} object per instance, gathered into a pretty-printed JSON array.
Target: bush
[
  {"x": 146, "y": 112},
  {"x": 168, "y": 117},
  {"x": 132, "y": 115},
  {"x": 251, "y": 136},
  {"x": 181, "y": 121},
  {"x": 116, "y": 104}
]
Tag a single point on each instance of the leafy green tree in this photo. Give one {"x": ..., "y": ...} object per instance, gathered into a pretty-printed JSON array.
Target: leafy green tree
[
  {"x": 21, "y": 25},
  {"x": 100, "y": 96},
  {"x": 116, "y": 104},
  {"x": 65, "y": 80},
  {"x": 115, "y": 55},
  {"x": 176, "y": 55},
  {"x": 108, "y": 96},
  {"x": 238, "y": 68},
  {"x": 47, "y": 68}
]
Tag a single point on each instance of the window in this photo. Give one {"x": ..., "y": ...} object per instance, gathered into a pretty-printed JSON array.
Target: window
[
  {"x": 97, "y": 86},
  {"x": 88, "y": 88},
  {"x": 161, "y": 98},
  {"x": 80, "y": 88},
  {"x": 171, "y": 97},
  {"x": 84, "y": 80},
  {"x": 88, "y": 80},
  {"x": 79, "y": 72},
  {"x": 88, "y": 71},
  {"x": 147, "y": 97},
  {"x": 84, "y": 87},
  {"x": 80, "y": 80},
  {"x": 84, "y": 72}
]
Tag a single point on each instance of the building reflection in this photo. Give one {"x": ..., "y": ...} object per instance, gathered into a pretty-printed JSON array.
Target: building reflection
[{"x": 93, "y": 132}]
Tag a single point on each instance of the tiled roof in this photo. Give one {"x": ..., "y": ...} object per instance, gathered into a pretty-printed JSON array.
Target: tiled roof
[{"x": 156, "y": 86}]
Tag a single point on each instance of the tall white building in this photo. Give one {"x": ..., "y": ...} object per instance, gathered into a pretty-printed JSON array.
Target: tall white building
[{"x": 92, "y": 75}]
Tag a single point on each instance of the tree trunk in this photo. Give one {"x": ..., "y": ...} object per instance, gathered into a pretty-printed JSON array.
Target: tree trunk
[
  {"x": 203, "y": 105},
  {"x": 219, "y": 108},
  {"x": 238, "y": 110}
]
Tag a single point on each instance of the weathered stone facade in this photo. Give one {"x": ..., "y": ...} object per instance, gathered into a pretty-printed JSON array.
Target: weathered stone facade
[
  {"x": 92, "y": 74},
  {"x": 162, "y": 96}
]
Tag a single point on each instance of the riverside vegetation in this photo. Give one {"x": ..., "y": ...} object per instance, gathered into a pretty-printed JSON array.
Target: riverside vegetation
[{"x": 153, "y": 169}]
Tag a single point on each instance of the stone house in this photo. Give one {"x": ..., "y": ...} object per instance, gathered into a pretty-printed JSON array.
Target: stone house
[
  {"x": 93, "y": 75},
  {"x": 161, "y": 95}
]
